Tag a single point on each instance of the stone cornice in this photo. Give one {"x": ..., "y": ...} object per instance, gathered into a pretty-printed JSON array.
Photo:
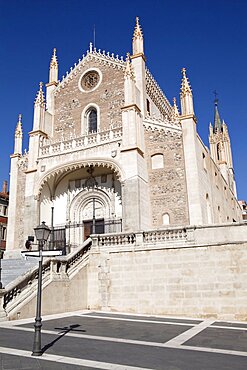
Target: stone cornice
[
  {"x": 188, "y": 116},
  {"x": 38, "y": 132},
  {"x": 30, "y": 171},
  {"x": 53, "y": 83},
  {"x": 133, "y": 148},
  {"x": 138, "y": 55},
  {"x": 126, "y": 107},
  {"x": 15, "y": 155}
]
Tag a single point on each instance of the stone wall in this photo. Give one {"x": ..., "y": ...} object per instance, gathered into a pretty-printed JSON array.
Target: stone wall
[
  {"x": 194, "y": 272},
  {"x": 168, "y": 184},
  {"x": 197, "y": 282},
  {"x": 70, "y": 102},
  {"x": 192, "y": 277}
]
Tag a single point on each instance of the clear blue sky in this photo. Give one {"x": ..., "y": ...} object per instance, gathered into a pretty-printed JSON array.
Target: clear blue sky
[{"x": 208, "y": 37}]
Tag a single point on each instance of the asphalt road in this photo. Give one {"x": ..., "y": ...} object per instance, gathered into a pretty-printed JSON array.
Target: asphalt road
[{"x": 95, "y": 340}]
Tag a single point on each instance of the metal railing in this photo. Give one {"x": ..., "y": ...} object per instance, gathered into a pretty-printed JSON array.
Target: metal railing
[{"x": 74, "y": 233}]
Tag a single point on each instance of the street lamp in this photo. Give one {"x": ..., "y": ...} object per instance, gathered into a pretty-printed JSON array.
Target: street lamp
[{"x": 42, "y": 233}]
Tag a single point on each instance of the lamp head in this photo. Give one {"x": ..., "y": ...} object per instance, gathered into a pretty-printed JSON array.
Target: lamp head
[{"x": 42, "y": 232}]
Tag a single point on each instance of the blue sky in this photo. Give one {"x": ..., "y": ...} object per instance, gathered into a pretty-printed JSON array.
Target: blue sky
[{"x": 208, "y": 37}]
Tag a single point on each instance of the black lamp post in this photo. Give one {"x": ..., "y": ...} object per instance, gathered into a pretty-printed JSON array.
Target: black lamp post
[{"x": 42, "y": 233}]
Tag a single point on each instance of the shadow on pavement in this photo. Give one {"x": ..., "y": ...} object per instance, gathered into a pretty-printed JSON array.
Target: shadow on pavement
[{"x": 65, "y": 330}]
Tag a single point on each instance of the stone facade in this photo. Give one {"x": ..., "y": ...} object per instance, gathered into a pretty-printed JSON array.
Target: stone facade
[
  {"x": 107, "y": 145},
  {"x": 167, "y": 185},
  {"x": 71, "y": 103}
]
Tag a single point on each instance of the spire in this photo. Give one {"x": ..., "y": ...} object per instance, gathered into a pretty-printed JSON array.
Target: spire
[
  {"x": 18, "y": 130},
  {"x": 186, "y": 96},
  {"x": 175, "y": 111},
  {"x": 185, "y": 86},
  {"x": 40, "y": 99},
  {"x": 137, "y": 41},
  {"x": 53, "y": 76},
  {"x": 217, "y": 120},
  {"x": 18, "y": 136}
]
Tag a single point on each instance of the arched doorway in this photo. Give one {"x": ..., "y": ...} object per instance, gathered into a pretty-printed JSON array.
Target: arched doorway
[{"x": 85, "y": 201}]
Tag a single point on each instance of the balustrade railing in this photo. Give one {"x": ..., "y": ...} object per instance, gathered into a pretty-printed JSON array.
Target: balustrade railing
[
  {"x": 164, "y": 235},
  {"x": 14, "y": 290},
  {"x": 81, "y": 142},
  {"x": 117, "y": 239},
  {"x": 142, "y": 238}
]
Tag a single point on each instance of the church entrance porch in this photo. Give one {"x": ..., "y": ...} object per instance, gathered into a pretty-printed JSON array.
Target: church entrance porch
[{"x": 85, "y": 201}]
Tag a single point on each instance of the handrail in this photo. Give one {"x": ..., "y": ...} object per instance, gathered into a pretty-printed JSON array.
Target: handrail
[{"x": 18, "y": 285}]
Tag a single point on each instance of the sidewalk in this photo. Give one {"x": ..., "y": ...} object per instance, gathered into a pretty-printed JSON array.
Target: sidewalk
[{"x": 97, "y": 340}]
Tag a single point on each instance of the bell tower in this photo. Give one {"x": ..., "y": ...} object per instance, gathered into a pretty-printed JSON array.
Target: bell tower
[{"x": 220, "y": 147}]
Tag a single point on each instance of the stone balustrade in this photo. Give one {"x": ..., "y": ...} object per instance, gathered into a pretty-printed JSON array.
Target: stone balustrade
[
  {"x": 115, "y": 239},
  {"x": 158, "y": 236},
  {"x": 58, "y": 268},
  {"x": 82, "y": 142},
  {"x": 143, "y": 239}
]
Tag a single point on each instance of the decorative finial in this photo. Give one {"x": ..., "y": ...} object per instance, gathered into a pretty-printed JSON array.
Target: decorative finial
[
  {"x": 186, "y": 97},
  {"x": 175, "y": 111},
  {"x": 53, "y": 75},
  {"x": 54, "y": 62},
  {"x": 18, "y": 130},
  {"x": 185, "y": 86},
  {"x": 138, "y": 30},
  {"x": 91, "y": 47},
  {"x": 40, "y": 99}
]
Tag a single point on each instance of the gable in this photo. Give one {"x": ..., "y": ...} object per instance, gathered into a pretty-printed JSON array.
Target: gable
[{"x": 96, "y": 83}]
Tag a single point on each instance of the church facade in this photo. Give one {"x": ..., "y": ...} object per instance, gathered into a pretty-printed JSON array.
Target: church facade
[{"x": 109, "y": 153}]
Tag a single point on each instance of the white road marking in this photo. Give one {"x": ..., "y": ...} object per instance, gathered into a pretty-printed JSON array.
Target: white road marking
[
  {"x": 137, "y": 320},
  {"x": 93, "y": 337},
  {"x": 71, "y": 360},
  {"x": 228, "y": 327},
  {"x": 212, "y": 350},
  {"x": 188, "y": 334},
  {"x": 169, "y": 344}
]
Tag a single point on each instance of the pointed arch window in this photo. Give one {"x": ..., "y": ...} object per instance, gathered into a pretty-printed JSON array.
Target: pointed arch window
[
  {"x": 92, "y": 120},
  {"x": 166, "y": 219}
]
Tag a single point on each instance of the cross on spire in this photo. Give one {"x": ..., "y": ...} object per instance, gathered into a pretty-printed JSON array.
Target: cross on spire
[{"x": 215, "y": 97}]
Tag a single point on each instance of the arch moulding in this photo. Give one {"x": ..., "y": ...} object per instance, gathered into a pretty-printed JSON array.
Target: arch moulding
[{"x": 60, "y": 171}]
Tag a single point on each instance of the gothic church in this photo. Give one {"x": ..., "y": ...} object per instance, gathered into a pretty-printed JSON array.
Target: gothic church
[{"x": 108, "y": 153}]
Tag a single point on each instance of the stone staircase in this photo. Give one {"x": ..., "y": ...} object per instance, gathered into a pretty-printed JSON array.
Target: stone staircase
[
  {"x": 13, "y": 268},
  {"x": 63, "y": 278}
]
